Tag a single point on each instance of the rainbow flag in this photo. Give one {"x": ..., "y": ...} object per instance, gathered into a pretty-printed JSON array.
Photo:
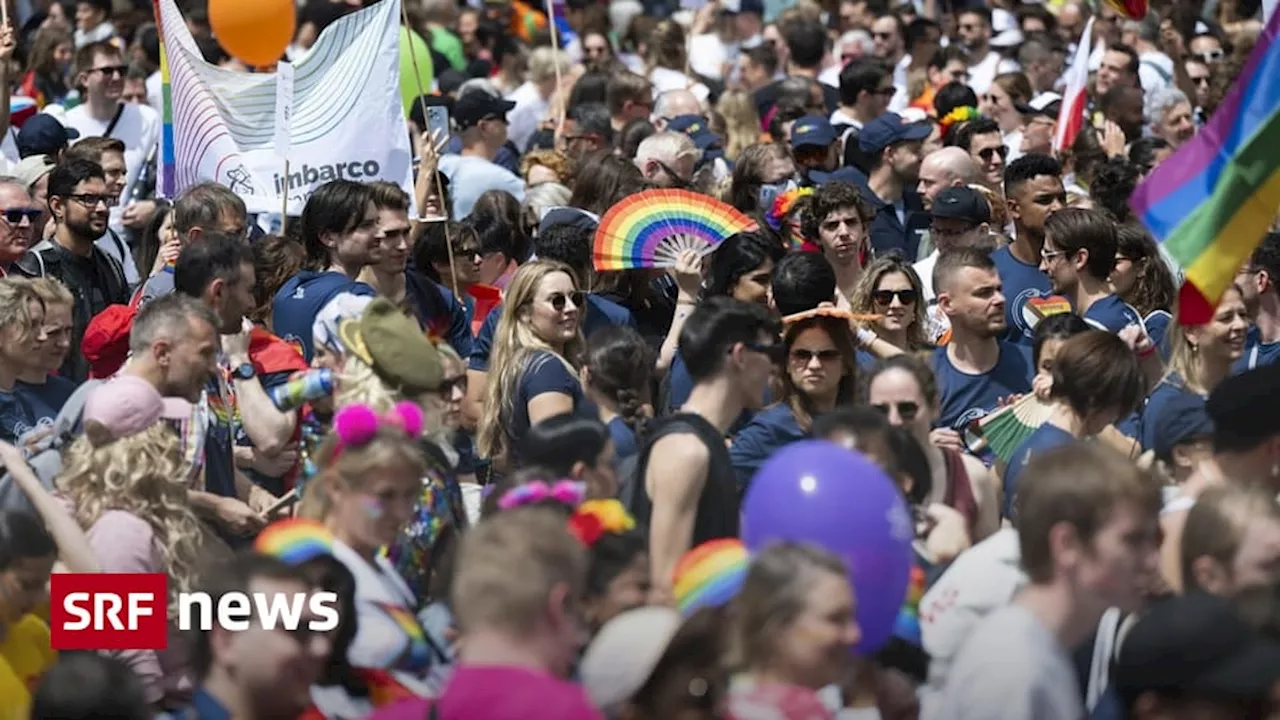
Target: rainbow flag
[
  {"x": 165, "y": 187},
  {"x": 1212, "y": 202}
]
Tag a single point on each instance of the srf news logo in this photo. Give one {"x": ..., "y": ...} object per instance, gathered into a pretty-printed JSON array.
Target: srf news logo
[{"x": 129, "y": 611}]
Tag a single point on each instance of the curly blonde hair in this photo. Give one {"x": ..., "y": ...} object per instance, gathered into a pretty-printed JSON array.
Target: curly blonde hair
[
  {"x": 553, "y": 160},
  {"x": 141, "y": 475}
]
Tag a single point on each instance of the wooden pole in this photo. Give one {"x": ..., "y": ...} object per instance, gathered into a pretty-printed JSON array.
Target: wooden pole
[{"x": 284, "y": 202}]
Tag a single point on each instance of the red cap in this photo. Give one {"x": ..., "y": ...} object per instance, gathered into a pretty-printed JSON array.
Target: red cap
[{"x": 106, "y": 340}]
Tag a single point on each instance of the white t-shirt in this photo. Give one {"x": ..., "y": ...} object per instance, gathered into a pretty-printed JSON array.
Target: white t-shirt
[
  {"x": 708, "y": 54},
  {"x": 665, "y": 79},
  {"x": 1155, "y": 70},
  {"x": 138, "y": 128},
  {"x": 984, "y": 73},
  {"x": 1011, "y": 668},
  {"x": 523, "y": 119}
]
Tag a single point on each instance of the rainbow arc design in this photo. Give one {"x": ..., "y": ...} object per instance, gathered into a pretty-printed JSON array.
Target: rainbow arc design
[
  {"x": 710, "y": 575},
  {"x": 651, "y": 229}
]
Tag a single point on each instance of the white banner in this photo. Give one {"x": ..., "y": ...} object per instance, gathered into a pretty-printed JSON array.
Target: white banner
[
  {"x": 346, "y": 118},
  {"x": 284, "y": 108}
]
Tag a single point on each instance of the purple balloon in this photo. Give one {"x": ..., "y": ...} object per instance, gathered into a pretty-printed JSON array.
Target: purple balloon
[{"x": 819, "y": 493}]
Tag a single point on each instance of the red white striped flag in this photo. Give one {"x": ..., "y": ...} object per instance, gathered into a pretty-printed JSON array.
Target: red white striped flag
[{"x": 1075, "y": 96}]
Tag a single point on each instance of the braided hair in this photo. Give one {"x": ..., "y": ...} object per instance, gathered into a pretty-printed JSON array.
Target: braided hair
[{"x": 620, "y": 367}]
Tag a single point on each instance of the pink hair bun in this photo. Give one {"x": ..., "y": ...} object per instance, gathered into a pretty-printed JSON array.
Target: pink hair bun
[
  {"x": 355, "y": 424},
  {"x": 411, "y": 418}
]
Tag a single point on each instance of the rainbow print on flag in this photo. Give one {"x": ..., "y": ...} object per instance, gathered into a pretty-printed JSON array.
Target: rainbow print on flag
[{"x": 1212, "y": 202}]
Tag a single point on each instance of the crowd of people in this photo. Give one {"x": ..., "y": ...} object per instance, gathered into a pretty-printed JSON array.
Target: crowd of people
[{"x": 512, "y": 468}]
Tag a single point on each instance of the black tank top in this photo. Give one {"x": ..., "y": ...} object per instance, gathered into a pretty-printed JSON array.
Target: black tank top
[{"x": 717, "y": 514}]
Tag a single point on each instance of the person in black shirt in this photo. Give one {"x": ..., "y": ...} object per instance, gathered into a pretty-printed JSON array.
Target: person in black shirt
[
  {"x": 81, "y": 204},
  {"x": 690, "y": 494}
]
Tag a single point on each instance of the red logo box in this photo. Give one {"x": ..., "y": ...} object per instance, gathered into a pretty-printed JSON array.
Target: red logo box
[{"x": 108, "y": 611}]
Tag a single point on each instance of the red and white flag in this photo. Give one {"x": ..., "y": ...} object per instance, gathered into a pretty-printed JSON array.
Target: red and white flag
[{"x": 1075, "y": 96}]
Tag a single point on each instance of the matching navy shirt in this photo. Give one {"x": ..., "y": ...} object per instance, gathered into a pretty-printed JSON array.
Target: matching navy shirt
[
  {"x": 1028, "y": 296},
  {"x": 1256, "y": 352},
  {"x": 543, "y": 372},
  {"x": 966, "y": 398},
  {"x": 769, "y": 430},
  {"x": 1045, "y": 437},
  {"x": 1112, "y": 314}
]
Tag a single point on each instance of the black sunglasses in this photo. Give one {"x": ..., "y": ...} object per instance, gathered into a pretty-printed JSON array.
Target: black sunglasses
[
  {"x": 13, "y": 217},
  {"x": 802, "y": 356},
  {"x": 987, "y": 153},
  {"x": 884, "y": 297},
  {"x": 907, "y": 410},
  {"x": 776, "y": 352},
  {"x": 558, "y": 300},
  {"x": 448, "y": 386},
  {"x": 112, "y": 70}
]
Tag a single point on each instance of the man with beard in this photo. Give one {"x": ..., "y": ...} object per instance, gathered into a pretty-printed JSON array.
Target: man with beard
[
  {"x": 976, "y": 370},
  {"x": 80, "y": 203},
  {"x": 896, "y": 150},
  {"x": 973, "y": 28}
]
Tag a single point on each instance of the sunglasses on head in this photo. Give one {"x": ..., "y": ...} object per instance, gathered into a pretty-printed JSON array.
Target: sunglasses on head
[
  {"x": 803, "y": 356},
  {"x": 987, "y": 153},
  {"x": 558, "y": 300},
  {"x": 885, "y": 297},
  {"x": 13, "y": 217},
  {"x": 906, "y": 410}
]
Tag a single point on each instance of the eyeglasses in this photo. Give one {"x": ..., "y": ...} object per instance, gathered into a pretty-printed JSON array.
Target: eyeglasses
[
  {"x": 1200, "y": 80},
  {"x": 448, "y": 386},
  {"x": 558, "y": 300},
  {"x": 885, "y": 297},
  {"x": 801, "y": 356},
  {"x": 988, "y": 153},
  {"x": 14, "y": 216},
  {"x": 881, "y": 36},
  {"x": 471, "y": 252},
  {"x": 89, "y": 200},
  {"x": 907, "y": 410},
  {"x": 112, "y": 70},
  {"x": 776, "y": 352},
  {"x": 886, "y": 91},
  {"x": 1212, "y": 56},
  {"x": 1047, "y": 255}
]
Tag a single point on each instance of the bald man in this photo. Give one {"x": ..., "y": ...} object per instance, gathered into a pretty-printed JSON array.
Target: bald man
[
  {"x": 944, "y": 168},
  {"x": 15, "y": 237},
  {"x": 673, "y": 104}
]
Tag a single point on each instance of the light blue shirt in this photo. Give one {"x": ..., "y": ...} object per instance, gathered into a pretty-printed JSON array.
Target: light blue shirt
[{"x": 471, "y": 177}]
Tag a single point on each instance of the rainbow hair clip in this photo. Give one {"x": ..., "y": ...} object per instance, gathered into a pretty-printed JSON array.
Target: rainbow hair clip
[
  {"x": 565, "y": 492},
  {"x": 595, "y": 518},
  {"x": 358, "y": 425},
  {"x": 964, "y": 113}
]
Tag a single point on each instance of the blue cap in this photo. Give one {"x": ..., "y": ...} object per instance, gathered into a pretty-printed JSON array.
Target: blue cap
[
  {"x": 697, "y": 128},
  {"x": 845, "y": 175},
  {"x": 1182, "y": 418},
  {"x": 42, "y": 134},
  {"x": 889, "y": 129},
  {"x": 561, "y": 215},
  {"x": 812, "y": 130}
]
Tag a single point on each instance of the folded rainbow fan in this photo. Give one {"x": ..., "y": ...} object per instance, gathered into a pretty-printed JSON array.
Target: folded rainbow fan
[
  {"x": 651, "y": 229},
  {"x": 1003, "y": 431}
]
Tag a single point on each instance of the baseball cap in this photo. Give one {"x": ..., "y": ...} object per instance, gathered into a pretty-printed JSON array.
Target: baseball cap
[
  {"x": 1242, "y": 407},
  {"x": 1196, "y": 644},
  {"x": 697, "y": 128},
  {"x": 478, "y": 105},
  {"x": 624, "y": 654},
  {"x": 563, "y": 215},
  {"x": 30, "y": 169},
  {"x": 1047, "y": 104},
  {"x": 127, "y": 405},
  {"x": 961, "y": 203},
  {"x": 888, "y": 129},
  {"x": 1181, "y": 419},
  {"x": 44, "y": 135},
  {"x": 393, "y": 345},
  {"x": 812, "y": 130}
]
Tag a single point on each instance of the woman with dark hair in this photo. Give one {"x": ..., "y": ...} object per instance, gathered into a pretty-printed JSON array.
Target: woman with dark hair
[
  {"x": 590, "y": 88},
  {"x": 604, "y": 179},
  {"x": 451, "y": 254},
  {"x": 1142, "y": 278},
  {"x": 617, "y": 376},
  {"x": 496, "y": 217},
  {"x": 157, "y": 234},
  {"x": 820, "y": 373},
  {"x": 275, "y": 259},
  {"x": 740, "y": 268},
  {"x": 1113, "y": 182},
  {"x": 573, "y": 447},
  {"x": 632, "y": 134},
  {"x": 762, "y": 173},
  {"x": 50, "y": 61},
  {"x": 1148, "y": 152}
]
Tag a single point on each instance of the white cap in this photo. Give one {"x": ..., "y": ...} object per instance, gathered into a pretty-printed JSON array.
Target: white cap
[{"x": 624, "y": 654}]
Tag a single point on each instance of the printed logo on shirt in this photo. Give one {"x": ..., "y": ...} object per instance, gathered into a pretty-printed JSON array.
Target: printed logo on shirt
[
  {"x": 130, "y": 611},
  {"x": 1031, "y": 306}
]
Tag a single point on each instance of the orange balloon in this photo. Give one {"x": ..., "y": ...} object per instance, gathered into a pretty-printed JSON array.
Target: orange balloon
[{"x": 255, "y": 32}]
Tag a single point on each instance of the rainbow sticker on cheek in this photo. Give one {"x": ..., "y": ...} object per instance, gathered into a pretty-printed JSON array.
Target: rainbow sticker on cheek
[{"x": 372, "y": 508}]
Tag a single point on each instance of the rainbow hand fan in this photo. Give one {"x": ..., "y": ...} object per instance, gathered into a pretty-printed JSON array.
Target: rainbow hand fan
[
  {"x": 651, "y": 229},
  {"x": 1003, "y": 431}
]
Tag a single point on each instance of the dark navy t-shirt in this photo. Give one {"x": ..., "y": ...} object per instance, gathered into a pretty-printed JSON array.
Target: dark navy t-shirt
[
  {"x": 27, "y": 413},
  {"x": 680, "y": 386},
  {"x": 1169, "y": 388},
  {"x": 1027, "y": 293},
  {"x": 966, "y": 398},
  {"x": 602, "y": 312},
  {"x": 439, "y": 312},
  {"x": 483, "y": 345},
  {"x": 770, "y": 430},
  {"x": 1157, "y": 324},
  {"x": 1112, "y": 314},
  {"x": 1044, "y": 438},
  {"x": 1256, "y": 352},
  {"x": 543, "y": 372},
  {"x": 624, "y": 439}
]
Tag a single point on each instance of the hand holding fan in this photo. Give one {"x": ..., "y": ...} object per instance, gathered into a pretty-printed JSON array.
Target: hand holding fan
[
  {"x": 651, "y": 229},
  {"x": 1004, "y": 430}
]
